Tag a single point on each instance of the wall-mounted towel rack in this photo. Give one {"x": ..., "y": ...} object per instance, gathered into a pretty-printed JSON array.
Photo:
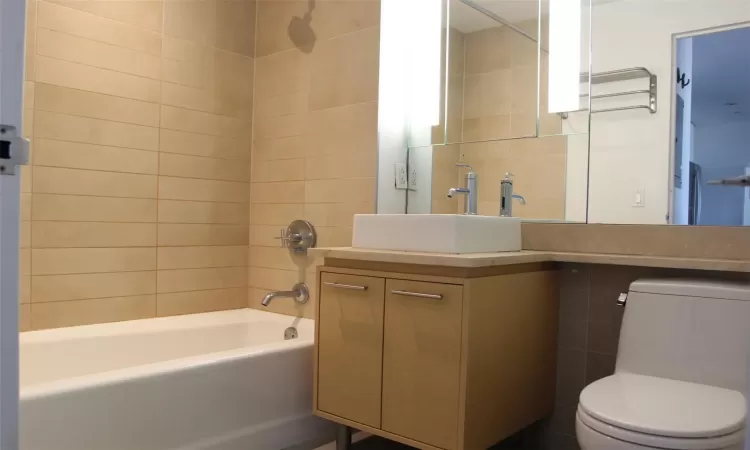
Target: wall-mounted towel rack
[{"x": 613, "y": 76}]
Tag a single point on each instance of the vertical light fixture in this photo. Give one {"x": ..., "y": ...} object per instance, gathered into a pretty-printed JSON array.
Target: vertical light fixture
[
  {"x": 423, "y": 36},
  {"x": 564, "y": 55}
]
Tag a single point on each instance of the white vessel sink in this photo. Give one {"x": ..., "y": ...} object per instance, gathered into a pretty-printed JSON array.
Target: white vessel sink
[{"x": 437, "y": 233}]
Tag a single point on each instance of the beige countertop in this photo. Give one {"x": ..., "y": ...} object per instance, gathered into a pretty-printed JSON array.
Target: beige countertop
[{"x": 474, "y": 260}]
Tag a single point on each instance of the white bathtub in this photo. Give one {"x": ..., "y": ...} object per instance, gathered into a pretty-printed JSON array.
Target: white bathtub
[{"x": 226, "y": 380}]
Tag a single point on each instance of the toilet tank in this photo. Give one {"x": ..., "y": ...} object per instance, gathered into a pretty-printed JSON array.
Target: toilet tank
[{"x": 697, "y": 331}]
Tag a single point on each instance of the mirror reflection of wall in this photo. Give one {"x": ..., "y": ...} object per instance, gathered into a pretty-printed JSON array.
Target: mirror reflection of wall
[{"x": 635, "y": 174}]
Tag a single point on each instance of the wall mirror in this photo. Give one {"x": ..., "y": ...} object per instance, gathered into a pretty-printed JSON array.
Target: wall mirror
[
  {"x": 483, "y": 82},
  {"x": 687, "y": 162}
]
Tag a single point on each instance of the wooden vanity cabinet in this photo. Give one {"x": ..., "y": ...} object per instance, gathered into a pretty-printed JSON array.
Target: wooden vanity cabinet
[{"x": 436, "y": 362}]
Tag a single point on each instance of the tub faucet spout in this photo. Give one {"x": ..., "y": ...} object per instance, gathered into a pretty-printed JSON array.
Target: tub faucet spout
[{"x": 300, "y": 293}]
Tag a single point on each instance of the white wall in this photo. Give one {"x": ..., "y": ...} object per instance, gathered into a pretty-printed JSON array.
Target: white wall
[
  {"x": 631, "y": 150},
  {"x": 722, "y": 151},
  {"x": 681, "y": 199}
]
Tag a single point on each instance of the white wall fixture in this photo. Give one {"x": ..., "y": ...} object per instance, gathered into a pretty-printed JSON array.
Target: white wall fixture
[{"x": 564, "y": 55}]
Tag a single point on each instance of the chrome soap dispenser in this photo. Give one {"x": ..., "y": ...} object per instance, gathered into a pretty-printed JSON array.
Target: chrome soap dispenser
[{"x": 507, "y": 196}]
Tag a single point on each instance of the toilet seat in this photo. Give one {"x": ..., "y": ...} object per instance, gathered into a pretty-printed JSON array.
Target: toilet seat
[{"x": 663, "y": 413}]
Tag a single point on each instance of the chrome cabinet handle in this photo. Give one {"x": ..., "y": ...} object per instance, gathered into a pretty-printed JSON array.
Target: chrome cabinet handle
[
  {"x": 417, "y": 294},
  {"x": 351, "y": 287}
]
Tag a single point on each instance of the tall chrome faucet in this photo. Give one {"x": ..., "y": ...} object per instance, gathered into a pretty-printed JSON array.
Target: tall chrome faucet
[
  {"x": 300, "y": 293},
  {"x": 470, "y": 191},
  {"x": 507, "y": 196}
]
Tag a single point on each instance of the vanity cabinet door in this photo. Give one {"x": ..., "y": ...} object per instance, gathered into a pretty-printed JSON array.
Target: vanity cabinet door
[
  {"x": 421, "y": 359},
  {"x": 350, "y": 347}
]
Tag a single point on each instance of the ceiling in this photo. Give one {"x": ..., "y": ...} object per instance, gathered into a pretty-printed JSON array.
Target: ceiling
[{"x": 721, "y": 77}]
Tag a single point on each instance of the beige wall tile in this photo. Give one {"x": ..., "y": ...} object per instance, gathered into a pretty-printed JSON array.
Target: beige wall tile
[
  {"x": 487, "y": 128},
  {"x": 27, "y": 123},
  {"x": 334, "y": 18},
  {"x": 188, "y": 63},
  {"x": 488, "y": 94},
  {"x": 197, "y": 235},
  {"x": 281, "y": 126},
  {"x": 143, "y": 13},
  {"x": 98, "y": 106},
  {"x": 205, "y": 123},
  {"x": 281, "y": 105},
  {"x": 204, "y": 168},
  {"x": 236, "y": 32},
  {"x": 233, "y": 83},
  {"x": 24, "y": 231},
  {"x": 94, "y": 79},
  {"x": 201, "y": 301},
  {"x": 60, "y": 261},
  {"x": 172, "y": 211},
  {"x": 53, "y": 288},
  {"x": 24, "y": 262},
  {"x": 282, "y": 192},
  {"x": 278, "y": 170},
  {"x": 280, "y": 148},
  {"x": 194, "y": 20},
  {"x": 336, "y": 166},
  {"x": 77, "y": 23},
  {"x": 275, "y": 214},
  {"x": 199, "y": 257},
  {"x": 96, "y": 54},
  {"x": 349, "y": 190},
  {"x": 264, "y": 236},
  {"x": 25, "y": 208},
  {"x": 171, "y": 188},
  {"x": 26, "y": 176},
  {"x": 187, "y": 97},
  {"x": 334, "y": 236},
  {"x": 181, "y": 142},
  {"x": 64, "y": 127},
  {"x": 24, "y": 289},
  {"x": 92, "y": 234},
  {"x": 338, "y": 214},
  {"x": 94, "y": 209},
  {"x": 73, "y": 155},
  {"x": 282, "y": 73},
  {"x": 271, "y": 258},
  {"x": 183, "y": 280},
  {"x": 345, "y": 70},
  {"x": 29, "y": 89},
  {"x": 24, "y": 319},
  {"x": 85, "y": 312},
  {"x": 52, "y": 180},
  {"x": 273, "y": 279},
  {"x": 342, "y": 130}
]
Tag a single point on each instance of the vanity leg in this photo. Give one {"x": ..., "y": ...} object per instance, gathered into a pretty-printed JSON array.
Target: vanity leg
[{"x": 343, "y": 438}]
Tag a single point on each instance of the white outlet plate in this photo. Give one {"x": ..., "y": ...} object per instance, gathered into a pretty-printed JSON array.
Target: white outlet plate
[
  {"x": 413, "y": 178},
  {"x": 402, "y": 179}
]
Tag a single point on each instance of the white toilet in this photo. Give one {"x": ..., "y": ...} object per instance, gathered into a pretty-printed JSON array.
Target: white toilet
[{"x": 681, "y": 371}]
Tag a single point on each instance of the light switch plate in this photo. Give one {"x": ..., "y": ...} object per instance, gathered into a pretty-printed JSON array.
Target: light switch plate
[
  {"x": 639, "y": 199},
  {"x": 402, "y": 180}
]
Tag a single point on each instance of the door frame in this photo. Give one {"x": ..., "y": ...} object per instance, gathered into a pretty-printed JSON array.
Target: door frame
[{"x": 12, "y": 52}]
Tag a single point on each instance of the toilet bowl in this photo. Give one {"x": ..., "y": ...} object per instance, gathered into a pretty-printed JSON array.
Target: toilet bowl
[
  {"x": 680, "y": 372},
  {"x": 628, "y": 412}
]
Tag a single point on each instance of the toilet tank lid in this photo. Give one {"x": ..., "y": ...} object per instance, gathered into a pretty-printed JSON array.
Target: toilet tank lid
[{"x": 694, "y": 288}]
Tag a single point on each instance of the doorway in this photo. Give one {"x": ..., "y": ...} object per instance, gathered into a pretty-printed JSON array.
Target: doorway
[{"x": 712, "y": 129}]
